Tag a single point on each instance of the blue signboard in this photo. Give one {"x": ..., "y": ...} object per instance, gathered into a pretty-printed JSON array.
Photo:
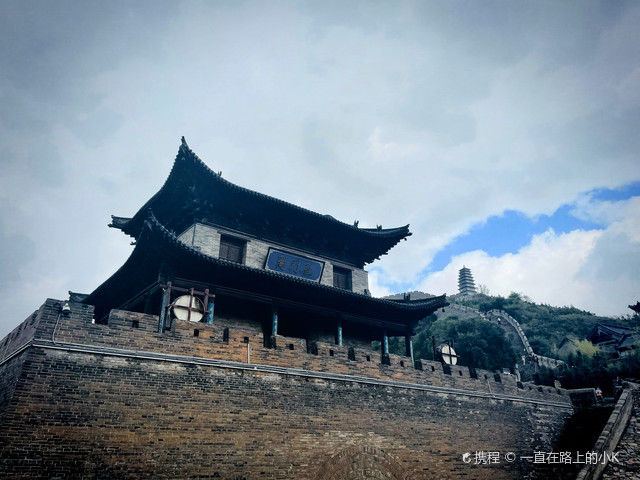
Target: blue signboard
[{"x": 295, "y": 265}]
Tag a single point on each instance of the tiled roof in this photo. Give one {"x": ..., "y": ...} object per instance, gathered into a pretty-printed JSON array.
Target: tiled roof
[
  {"x": 156, "y": 243},
  {"x": 191, "y": 185}
]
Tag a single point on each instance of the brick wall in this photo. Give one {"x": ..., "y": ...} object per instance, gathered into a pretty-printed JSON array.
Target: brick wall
[
  {"x": 78, "y": 412},
  {"x": 212, "y": 342},
  {"x": 359, "y": 280},
  {"x": 9, "y": 375},
  {"x": 628, "y": 459},
  {"x": 187, "y": 236}
]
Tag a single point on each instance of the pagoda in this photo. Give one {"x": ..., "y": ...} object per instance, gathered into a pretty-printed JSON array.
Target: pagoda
[
  {"x": 466, "y": 286},
  {"x": 244, "y": 258}
]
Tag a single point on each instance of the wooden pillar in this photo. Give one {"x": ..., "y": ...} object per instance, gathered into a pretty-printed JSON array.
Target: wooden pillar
[
  {"x": 339, "y": 333},
  {"x": 408, "y": 344},
  {"x": 210, "y": 308},
  {"x": 385, "y": 348},
  {"x": 166, "y": 295},
  {"x": 274, "y": 323},
  {"x": 385, "y": 343},
  {"x": 209, "y": 304},
  {"x": 274, "y": 329}
]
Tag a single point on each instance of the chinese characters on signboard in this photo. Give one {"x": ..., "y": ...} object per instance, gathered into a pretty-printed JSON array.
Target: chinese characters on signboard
[{"x": 295, "y": 265}]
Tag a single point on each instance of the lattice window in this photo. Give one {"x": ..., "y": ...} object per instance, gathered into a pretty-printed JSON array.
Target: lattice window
[
  {"x": 232, "y": 249},
  {"x": 342, "y": 278}
]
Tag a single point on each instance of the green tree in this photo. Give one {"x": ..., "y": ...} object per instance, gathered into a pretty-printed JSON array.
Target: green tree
[
  {"x": 544, "y": 325},
  {"x": 477, "y": 342}
]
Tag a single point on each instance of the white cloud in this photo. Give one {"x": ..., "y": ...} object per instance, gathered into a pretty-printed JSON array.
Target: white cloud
[
  {"x": 376, "y": 288},
  {"x": 603, "y": 212},
  {"x": 383, "y": 150},
  {"x": 596, "y": 270}
]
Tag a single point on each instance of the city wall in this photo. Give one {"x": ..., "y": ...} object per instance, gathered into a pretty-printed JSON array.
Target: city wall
[{"x": 123, "y": 401}]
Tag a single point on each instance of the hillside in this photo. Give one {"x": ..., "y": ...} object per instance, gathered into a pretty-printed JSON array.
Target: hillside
[
  {"x": 482, "y": 341},
  {"x": 544, "y": 325},
  {"x": 478, "y": 342}
]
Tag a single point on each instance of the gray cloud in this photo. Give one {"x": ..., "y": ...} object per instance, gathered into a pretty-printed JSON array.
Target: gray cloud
[
  {"x": 435, "y": 113},
  {"x": 16, "y": 251},
  {"x": 39, "y": 160},
  {"x": 615, "y": 256}
]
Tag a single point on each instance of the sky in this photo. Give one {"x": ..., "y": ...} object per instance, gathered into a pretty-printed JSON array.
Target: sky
[{"x": 505, "y": 133}]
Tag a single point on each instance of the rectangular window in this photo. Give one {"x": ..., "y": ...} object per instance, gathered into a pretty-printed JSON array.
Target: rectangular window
[
  {"x": 231, "y": 249},
  {"x": 342, "y": 278}
]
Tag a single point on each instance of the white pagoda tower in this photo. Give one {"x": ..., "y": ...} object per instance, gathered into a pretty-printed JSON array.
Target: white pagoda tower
[{"x": 465, "y": 282}]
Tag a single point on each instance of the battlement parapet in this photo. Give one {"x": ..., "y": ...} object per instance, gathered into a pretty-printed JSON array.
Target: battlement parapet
[{"x": 227, "y": 340}]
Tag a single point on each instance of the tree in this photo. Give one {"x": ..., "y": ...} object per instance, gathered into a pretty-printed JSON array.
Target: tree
[{"x": 477, "y": 342}]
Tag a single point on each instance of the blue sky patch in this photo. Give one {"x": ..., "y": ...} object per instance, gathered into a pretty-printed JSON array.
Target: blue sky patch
[
  {"x": 512, "y": 230},
  {"x": 616, "y": 195},
  {"x": 509, "y": 232}
]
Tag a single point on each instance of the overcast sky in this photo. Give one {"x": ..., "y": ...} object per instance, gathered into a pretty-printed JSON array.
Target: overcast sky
[{"x": 505, "y": 133}]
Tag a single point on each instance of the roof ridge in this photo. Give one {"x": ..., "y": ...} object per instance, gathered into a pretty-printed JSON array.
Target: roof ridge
[
  {"x": 609, "y": 325},
  {"x": 184, "y": 147}
]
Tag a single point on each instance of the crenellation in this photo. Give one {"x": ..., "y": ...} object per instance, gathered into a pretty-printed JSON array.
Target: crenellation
[{"x": 247, "y": 345}]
